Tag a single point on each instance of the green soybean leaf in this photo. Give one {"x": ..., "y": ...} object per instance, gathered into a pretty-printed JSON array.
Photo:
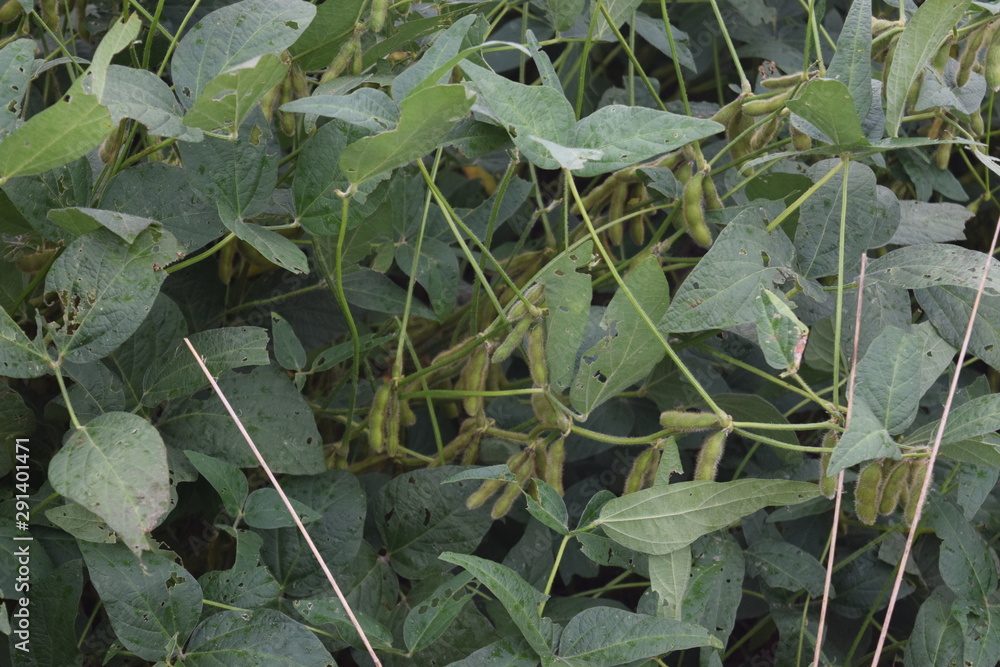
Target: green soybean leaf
[
  {"x": 288, "y": 351},
  {"x": 872, "y": 218},
  {"x": 317, "y": 45},
  {"x": 227, "y": 480},
  {"x": 119, "y": 37},
  {"x": 238, "y": 175},
  {"x": 273, "y": 246},
  {"x": 662, "y": 519},
  {"x": 178, "y": 374},
  {"x": 227, "y": 99},
  {"x": 445, "y": 47},
  {"x": 116, "y": 467},
  {"x": 160, "y": 191},
  {"x": 852, "y": 63},
  {"x": 107, "y": 287},
  {"x": 265, "y": 509},
  {"x": 431, "y": 617},
  {"x": 330, "y": 612},
  {"x": 550, "y": 508},
  {"x": 628, "y": 348},
  {"x": 628, "y": 135},
  {"x": 15, "y": 74},
  {"x": 63, "y": 132},
  {"x": 34, "y": 196},
  {"x": 367, "y": 108},
  {"x": 828, "y": 106},
  {"x": 508, "y": 652},
  {"x": 20, "y": 357},
  {"x": 516, "y": 595},
  {"x": 782, "y": 336},
  {"x": 715, "y": 587},
  {"x": 937, "y": 636},
  {"x": 980, "y": 622},
  {"x": 966, "y": 562},
  {"x": 418, "y": 517},
  {"x": 920, "y": 40},
  {"x": 338, "y": 496},
  {"x": 498, "y": 472},
  {"x": 233, "y": 35},
  {"x": 153, "y": 604},
  {"x": 54, "y": 599},
  {"x": 97, "y": 390},
  {"x": 262, "y": 636},
  {"x": 784, "y": 565},
  {"x": 159, "y": 332},
  {"x": 722, "y": 288},
  {"x": 144, "y": 97},
  {"x": 273, "y": 412},
  {"x": 949, "y": 309},
  {"x": 425, "y": 118},
  {"x": 81, "y": 523},
  {"x": 532, "y": 112},
  {"x": 930, "y": 222},
  {"x": 935, "y": 265},
  {"x": 889, "y": 379},
  {"x": 377, "y": 292},
  {"x": 16, "y": 419},
  {"x": 865, "y": 439},
  {"x": 567, "y": 297},
  {"x": 668, "y": 577},
  {"x": 82, "y": 220},
  {"x": 610, "y": 636}
]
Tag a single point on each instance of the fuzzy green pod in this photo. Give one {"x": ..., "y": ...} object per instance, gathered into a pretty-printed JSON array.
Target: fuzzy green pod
[
  {"x": 709, "y": 456},
  {"x": 693, "y": 210},
  {"x": 556, "y": 455},
  {"x": 510, "y": 343},
  {"x": 639, "y": 476},
  {"x": 380, "y": 11},
  {"x": 800, "y": 140},
  {"x": 523, "y": 471},
  {"x": 866, "y": 493},
  {"x": 712, "y": 200},
  {"x": 781, "y": 82},
  {"x": 536, "y": 356},
  {"x": 992, "y": 68},
  {"x": 688, "y": 422},
  {"x": 473, "y": 378},
  {"x": 828, "y": 483},
  {"x": 893, "y": 487},
  {"x": 485, "y": 491},
  {"x": 377, "y": 418},
  {"x": 725, "y": 114},
  {"x": 969, "y": 55},
  {"x": 340, "y": 62},
  {"x": 10, "y": 11},
  {"x": 761, "y": 106}
]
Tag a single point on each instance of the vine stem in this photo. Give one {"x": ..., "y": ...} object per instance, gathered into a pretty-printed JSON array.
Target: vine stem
[
  {"x": 286, "y": 501},
  {"x": 688, "y": 375},
  {"x": 929, "y": 477}
]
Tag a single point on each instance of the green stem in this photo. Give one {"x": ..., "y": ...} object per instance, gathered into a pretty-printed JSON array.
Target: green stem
[
  {"x": 681, "y": 86},
  {"x": 838, "y": 312},
  {"x": 552, "y": 573},
  {"x": 56, "y": 368},
  {"x": 807, "y": 194},
  {"x": 173, "y": 268}
]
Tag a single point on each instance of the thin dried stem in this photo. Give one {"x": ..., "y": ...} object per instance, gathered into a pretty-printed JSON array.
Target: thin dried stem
[
  {"x": 288, "y": 503},
  {"x": 929, "y": 477},
  {"x": 830, "y": 559}
]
